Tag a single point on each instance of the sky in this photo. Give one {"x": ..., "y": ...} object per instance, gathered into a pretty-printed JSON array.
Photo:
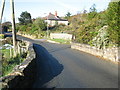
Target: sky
[{"x": 40, "y": 8}]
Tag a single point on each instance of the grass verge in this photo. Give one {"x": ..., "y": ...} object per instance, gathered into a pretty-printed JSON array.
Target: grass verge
[
  {"x": 9, "y": 63},
  {"x": 61, "y": 41}
]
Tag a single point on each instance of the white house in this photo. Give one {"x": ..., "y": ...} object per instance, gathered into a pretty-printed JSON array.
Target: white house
[{"x": 52, "y": 19}]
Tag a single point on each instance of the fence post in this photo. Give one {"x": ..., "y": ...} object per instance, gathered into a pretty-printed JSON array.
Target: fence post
[
  {"x": 18, "y": 45},
  {"x": 10, "y": 52}
]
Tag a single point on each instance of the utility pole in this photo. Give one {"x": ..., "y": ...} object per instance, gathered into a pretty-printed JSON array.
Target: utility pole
[
  {"x": 2, "y": 9},
  {"x": 47, "y": 26},
  {"x": 13, "y": 28},
  {"x": 1, "y": 15}
]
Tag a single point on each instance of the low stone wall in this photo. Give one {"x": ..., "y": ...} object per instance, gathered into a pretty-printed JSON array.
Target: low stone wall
[
  {"x": 109, "y": 53},
  {"x": 26, "y": 35},
  {"x": 22, "y": 75},
  {"x": 61, "y": 36}
]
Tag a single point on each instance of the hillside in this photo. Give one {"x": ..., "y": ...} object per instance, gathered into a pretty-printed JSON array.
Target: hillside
[{"x": 86, "y": 26}]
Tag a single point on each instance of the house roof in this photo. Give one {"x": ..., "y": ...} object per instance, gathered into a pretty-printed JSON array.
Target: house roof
[{"x": 53, "y": 17}]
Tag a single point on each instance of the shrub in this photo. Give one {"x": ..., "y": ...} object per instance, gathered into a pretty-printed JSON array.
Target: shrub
[
  {"x": 1, "y": 36},
  {"x": 23, "y": 27},
  {"x": 9, "y": 40},
  {"x": 113, "y": 20},
  {"x": 9, "y": 64}
]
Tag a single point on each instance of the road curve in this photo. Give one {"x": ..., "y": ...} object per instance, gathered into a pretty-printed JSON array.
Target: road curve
[{"x": 59, "y": 66}]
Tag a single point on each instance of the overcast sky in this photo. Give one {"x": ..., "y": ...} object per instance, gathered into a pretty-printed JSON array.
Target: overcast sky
[{"x": 39, "y": 8}]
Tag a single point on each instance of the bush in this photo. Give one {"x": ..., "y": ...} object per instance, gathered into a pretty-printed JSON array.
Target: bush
[
  {"x": 1, "y": 36},
  {"x": 93, "y": 12},
  {"x": 23, "y": 27},
  {"x": 9, "y": 40},
  {"x": 113, "y": 21},
  {"x": 40, "y": 24},
  {"x": 9, "y": 64}
]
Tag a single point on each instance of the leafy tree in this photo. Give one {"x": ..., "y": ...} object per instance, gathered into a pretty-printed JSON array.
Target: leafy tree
[
  {"x": 40, "y": 24},
  {"x": 93, "y": 12},
  {"x": 84, "y": 11},
  {"x": 113, "y": 21},
  {"x": 68, "y": 15},
  {"x": 25, "y": 18}
]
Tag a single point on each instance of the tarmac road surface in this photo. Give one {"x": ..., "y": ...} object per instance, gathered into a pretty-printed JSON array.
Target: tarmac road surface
[{"x": 59, "y": 66}]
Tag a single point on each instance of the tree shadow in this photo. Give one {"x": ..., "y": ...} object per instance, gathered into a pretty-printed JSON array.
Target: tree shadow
[{"x": 47, "y": 67}]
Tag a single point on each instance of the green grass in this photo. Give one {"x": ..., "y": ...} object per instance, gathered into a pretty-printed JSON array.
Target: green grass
[
  {"x": 62, "y": 41},
  {"x": 9, "y": 63},
  {"x": 1, "y": 36},
  {"x": 6, "y": 52}
]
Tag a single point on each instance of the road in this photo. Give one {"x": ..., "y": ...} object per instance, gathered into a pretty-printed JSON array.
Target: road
[{"x": 59, "y": 66}]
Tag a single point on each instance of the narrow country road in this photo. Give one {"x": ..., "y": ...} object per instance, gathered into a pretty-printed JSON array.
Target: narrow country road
[{"x": 59, "y": 66}]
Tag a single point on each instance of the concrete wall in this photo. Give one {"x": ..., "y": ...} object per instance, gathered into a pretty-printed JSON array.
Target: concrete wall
[
  {"x": 61, "y": 36},
  {"x": 109, "y": 53}
]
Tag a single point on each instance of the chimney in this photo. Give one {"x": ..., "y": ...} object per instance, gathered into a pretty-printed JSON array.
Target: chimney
[
  {"x": 49, "y": 13},
  {"x": 56, "y": 13}
]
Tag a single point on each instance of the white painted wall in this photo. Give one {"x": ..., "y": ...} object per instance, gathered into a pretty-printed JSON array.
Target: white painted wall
[
  {"x": 63, "y": 22},
  {"x": 61, "y": 36},
  {"x": 52, "y": 22}
]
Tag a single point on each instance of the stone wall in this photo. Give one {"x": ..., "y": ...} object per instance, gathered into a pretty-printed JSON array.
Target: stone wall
[
  {"x": 22, "y": 75},
  {"x": 61, "y": 36},
  {"x": 26, "y": 35},
  {"x": 108, "y": 53}
]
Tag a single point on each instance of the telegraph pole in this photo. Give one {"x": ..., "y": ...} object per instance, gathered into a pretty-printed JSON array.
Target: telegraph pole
[
  {"x": 1, "y": 15},
  {"x": 47, "y": 26},
  {"x": 2, "y": 9},
  {"x": 13, "y": 28}
]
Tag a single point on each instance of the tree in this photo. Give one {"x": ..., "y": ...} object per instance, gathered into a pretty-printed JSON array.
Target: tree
[
  {"x": 84, "y": 11},
  {"x": 93, "y": 8},
  {"x": 25, "y": 18},
  {"x": 68, "y": 15},
  {"x": 92, "y": 12},
  {"x": 40, "y": 24},
  {"x": 113, "y": 21}
]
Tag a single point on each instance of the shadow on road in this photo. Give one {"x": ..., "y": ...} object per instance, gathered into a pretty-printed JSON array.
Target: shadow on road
[{"x": 47, "y": 68}]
